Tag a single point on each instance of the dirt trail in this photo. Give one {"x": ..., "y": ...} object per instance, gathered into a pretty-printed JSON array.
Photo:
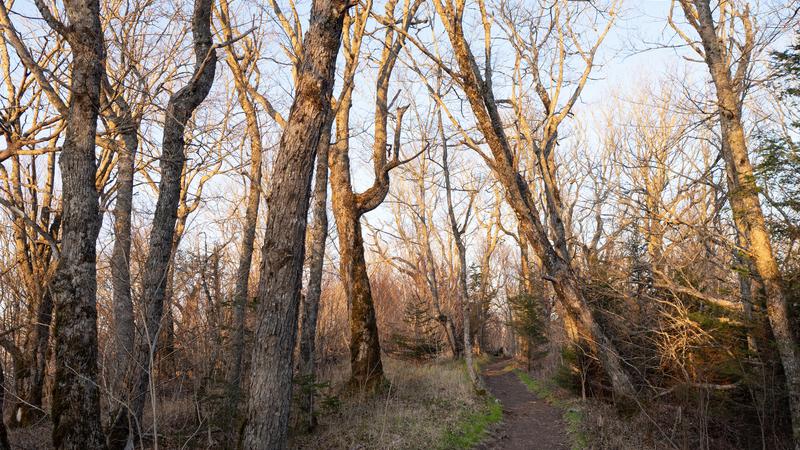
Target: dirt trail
[{"x": 529, "y": 423}]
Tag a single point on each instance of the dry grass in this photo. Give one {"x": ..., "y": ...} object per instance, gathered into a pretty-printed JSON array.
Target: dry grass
[
  {"x": 421, "y": 407},
  {"x": 425, "y": 406}
]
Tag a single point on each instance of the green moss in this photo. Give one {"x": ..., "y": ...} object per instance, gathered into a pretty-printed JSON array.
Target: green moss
[
  {"x": 473, "y": 427},
  {"x": 574, "y": 419},
  {"x": 573, "y": 414},
  {"x": 541, "y": 389}
]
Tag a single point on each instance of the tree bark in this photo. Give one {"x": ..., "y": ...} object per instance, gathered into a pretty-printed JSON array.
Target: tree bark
[
  {"x": 76, "y": 397},
  {"x": 366, "y": 367},
  {"x": 241, "y": 288},
  {"x": 284, "y": 242},
  {"x": 124, "y": 323},
  {"x": 180, "y": 107},
  {"x": 743, "y": 196},
  {"x": 317, "y": 236}
]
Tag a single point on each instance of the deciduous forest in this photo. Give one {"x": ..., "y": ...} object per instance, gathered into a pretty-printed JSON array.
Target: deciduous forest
[{"x": 399, "y": 224}]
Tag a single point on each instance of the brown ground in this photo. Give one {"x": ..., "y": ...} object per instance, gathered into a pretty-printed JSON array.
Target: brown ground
[{"x": 529, "y": 423}]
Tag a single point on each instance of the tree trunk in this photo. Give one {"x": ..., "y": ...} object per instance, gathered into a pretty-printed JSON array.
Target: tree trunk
[
  {"x": 284, "y": 242},
  {"x": 317, "y": 237},
  {"x": 180, "y": 107},
  {"x": 348, "y": 207},
  {"x": 241, "y": 289},
  {"x": 124, "y": 323},
  {"x": 4, "y": 444},
  {"x": 463, "y": 287},
  {"x": 76, "y": 396},
  {"x": 465, "y": 310},
  {"x": 366, "y": 367},
  {"x": 746, "y": 205},
  {"x": 526, "y": 276},
  {"x": 365, "y": 351}
]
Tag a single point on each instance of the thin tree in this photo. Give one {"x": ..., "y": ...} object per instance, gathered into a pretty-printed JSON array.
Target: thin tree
[
  {"x": 317, "y": 236},
  {"x": 241, "y": 66},
  {"x": 180, "y": 107},
  {"x": 458, "y": 231}
]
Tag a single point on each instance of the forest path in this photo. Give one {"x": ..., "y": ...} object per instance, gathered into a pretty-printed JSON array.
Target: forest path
[{"x": 529, "y": 422}]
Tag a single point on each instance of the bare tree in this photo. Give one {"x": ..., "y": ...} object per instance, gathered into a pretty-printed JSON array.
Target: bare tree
[
  {"x": 241, "y": 68},
  {"x": 728, "y": 57},
  {"x": 348, "y": 206},
  {"x": 317, "y": 236},
  {"x": 458, "y": 230},
  {"x": 122, "y": 119},
  {"x": 154, "y": 279},
  {"x": 555, "y": 257}
]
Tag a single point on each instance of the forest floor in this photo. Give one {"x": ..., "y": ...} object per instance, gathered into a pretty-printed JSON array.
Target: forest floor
[{"x": 529, "y": 422}]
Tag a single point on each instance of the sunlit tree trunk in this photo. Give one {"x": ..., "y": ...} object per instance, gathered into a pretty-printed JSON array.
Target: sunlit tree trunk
[
  {"x": 242, "y": 283},
  {"x": 742, "y": 190}
]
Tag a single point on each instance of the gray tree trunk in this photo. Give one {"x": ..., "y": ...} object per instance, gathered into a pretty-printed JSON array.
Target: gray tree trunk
[
  {"x": 76, "y": 396},
  {"x": 124, "y": 323},
  {"x": 284, "y": 242},
  {"x": 317, "y": 236}
]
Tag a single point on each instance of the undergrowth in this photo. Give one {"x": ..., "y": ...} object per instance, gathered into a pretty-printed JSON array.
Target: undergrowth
[{"x": 431, "y": 405}]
